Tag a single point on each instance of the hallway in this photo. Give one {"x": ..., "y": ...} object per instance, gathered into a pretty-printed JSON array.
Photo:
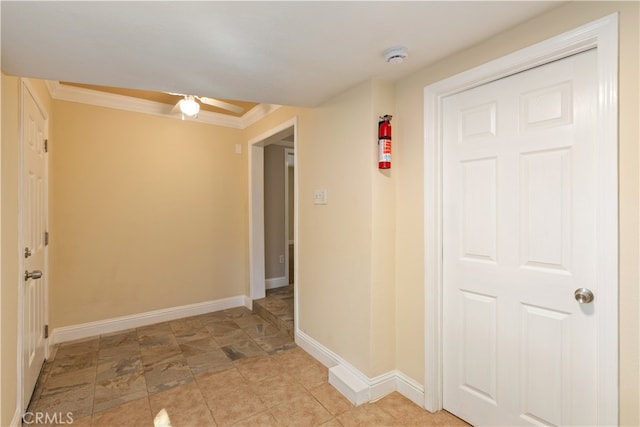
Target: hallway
[{"x": 219, "y": 369}]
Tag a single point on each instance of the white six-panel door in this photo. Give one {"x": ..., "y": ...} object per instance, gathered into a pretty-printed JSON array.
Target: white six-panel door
[
  {"x": 34, "y": 220},
  {"x": 519, "y": 232}
]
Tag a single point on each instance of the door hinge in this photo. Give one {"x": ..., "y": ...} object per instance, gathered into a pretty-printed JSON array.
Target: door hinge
[
  {"x": 46, "y": 238},
  {"x": 46, "y": 145},
  {"x": 46, "y": 331}
]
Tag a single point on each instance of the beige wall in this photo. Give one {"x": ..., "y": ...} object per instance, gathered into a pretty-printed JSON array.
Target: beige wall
[
  {"x": 335, "y": 239},
  {"x": 11, "y": 278},
  {"x": 149, "y": 213},
  {"x": 408, "y": 157},
  {"x": 347, "y": 247},
  {"x": 341, "y": 305},
  {"x": 383, "y": 235},
  {"x": 274, "y": 226}
]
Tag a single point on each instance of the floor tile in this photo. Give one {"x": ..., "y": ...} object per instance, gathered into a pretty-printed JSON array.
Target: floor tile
[
  {"x": 78, "y": 347},
  {"x": 116, "y": 367},
  {"x": 259, "y": 367},
  {"x": 312, "y": 375},
  {"x": 227, "y": 332},
  {"x": 303, "y": 410},
  {"x": 168, "y": 373},
  {"x": 118, "y": 390},
  {"x": 184, "y": 404},
  {"x": 199, "y": 346},
  {"x": 69, "y": 380},
  {"x": 160, "y": 350},
  {"x": 152, "y": 342},
  {"x": 236, "y": 312},
  {"x": 136, "y": 413},
  {"x": 78, "y": 422},
  {"x": 240, "y": 349},
  {"x": 189, "y": 335},
  {"x": 154, "y": 330},
  {"x": 262, "y": 330},
  {"x": 209, "y": 318},
  {"x": 366, "y": 416},
  {"x": 187, "y": 324},
  {"x": 333, "y": 422},
  {"x": 274, "y": 343},
  {"x": 118, "y": 339},
  {"x": 277, "y": 389},
  {"x": 75, "y": 400},
  {"x": 235, "y": 405},
  {"x": 215, "y": 360},
  {"x": 331, "y": 399},
  {"x": 223, "y": 329},
  {"x": 214, "y": 384},
  {"x": 73, "y": 362},
  {"x": 262, "y": 419},
  {"x": 249, "y": 320},
  {"x": 399, "y": 406},
  {"x": 444, "y": 418},
  {"x": 295, "y": 359},
  {"x": 120, "y": 351}
]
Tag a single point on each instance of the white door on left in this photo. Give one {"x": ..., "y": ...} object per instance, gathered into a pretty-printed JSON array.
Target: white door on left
[{"x": 34, "y": 227}]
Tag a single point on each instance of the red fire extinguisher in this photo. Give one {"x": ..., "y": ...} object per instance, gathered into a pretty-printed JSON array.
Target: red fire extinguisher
[{"x": 384, "y": 142}]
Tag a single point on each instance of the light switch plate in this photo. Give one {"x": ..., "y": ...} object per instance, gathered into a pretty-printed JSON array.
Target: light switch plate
[{"x": 320, "y": 197}]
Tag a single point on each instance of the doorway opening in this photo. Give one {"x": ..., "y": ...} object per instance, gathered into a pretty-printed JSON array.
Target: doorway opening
[{"x": 273, "y": 224}]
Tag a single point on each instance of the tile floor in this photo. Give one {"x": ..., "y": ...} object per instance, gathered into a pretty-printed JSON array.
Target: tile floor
[
  {"x": 229, "y": 368},
  {"x": 277, "y": 308}
]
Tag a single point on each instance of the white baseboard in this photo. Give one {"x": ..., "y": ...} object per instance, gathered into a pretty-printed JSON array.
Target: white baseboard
[
  {"x": 275, "y": 282},
  {"x": 90, "y": 329},
  {"x": 349, "y": 384},
  {"x": 410, "y": 388},
  {"x": 317, "y": 350},
  {"x": 353, "y": 384},
  {"x": 382, "y": 385},
  {"x": 248, "y": 302}
]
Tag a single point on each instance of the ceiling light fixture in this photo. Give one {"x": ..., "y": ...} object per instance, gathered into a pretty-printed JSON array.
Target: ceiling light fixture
[
  {"x": 189, "y": 107},
  {"x": 396, "y": 55}
]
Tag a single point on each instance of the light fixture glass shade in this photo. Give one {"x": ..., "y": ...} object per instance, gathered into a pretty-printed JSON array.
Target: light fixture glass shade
[{"x": 189, "y": 107}]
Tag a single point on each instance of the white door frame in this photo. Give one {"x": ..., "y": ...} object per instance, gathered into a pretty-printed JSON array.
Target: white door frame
[
  {"x": 287, "y": 152},
  {"x": 601, "y": 34},
  {"x": 27, "y": 88},
  {"x": 256, "y": 206}
]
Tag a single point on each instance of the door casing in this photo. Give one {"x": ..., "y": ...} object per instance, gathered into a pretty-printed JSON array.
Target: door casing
[
  {"x": 255, "y": 148},
  {"x": 602, "y": 35},
  {"x": 287, "y": 220}
]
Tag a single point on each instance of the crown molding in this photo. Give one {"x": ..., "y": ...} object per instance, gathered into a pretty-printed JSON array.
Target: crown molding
[
  {"x": 257, "y": 113},
  {"x": 137, "y": 105}
]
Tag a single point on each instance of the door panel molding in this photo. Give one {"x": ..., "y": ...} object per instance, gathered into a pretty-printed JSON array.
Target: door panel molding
[{"x": 602, "y": 35}]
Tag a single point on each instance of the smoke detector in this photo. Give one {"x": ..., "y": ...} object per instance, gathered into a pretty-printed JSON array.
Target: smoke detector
[{"x": 396, "y": 55}]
